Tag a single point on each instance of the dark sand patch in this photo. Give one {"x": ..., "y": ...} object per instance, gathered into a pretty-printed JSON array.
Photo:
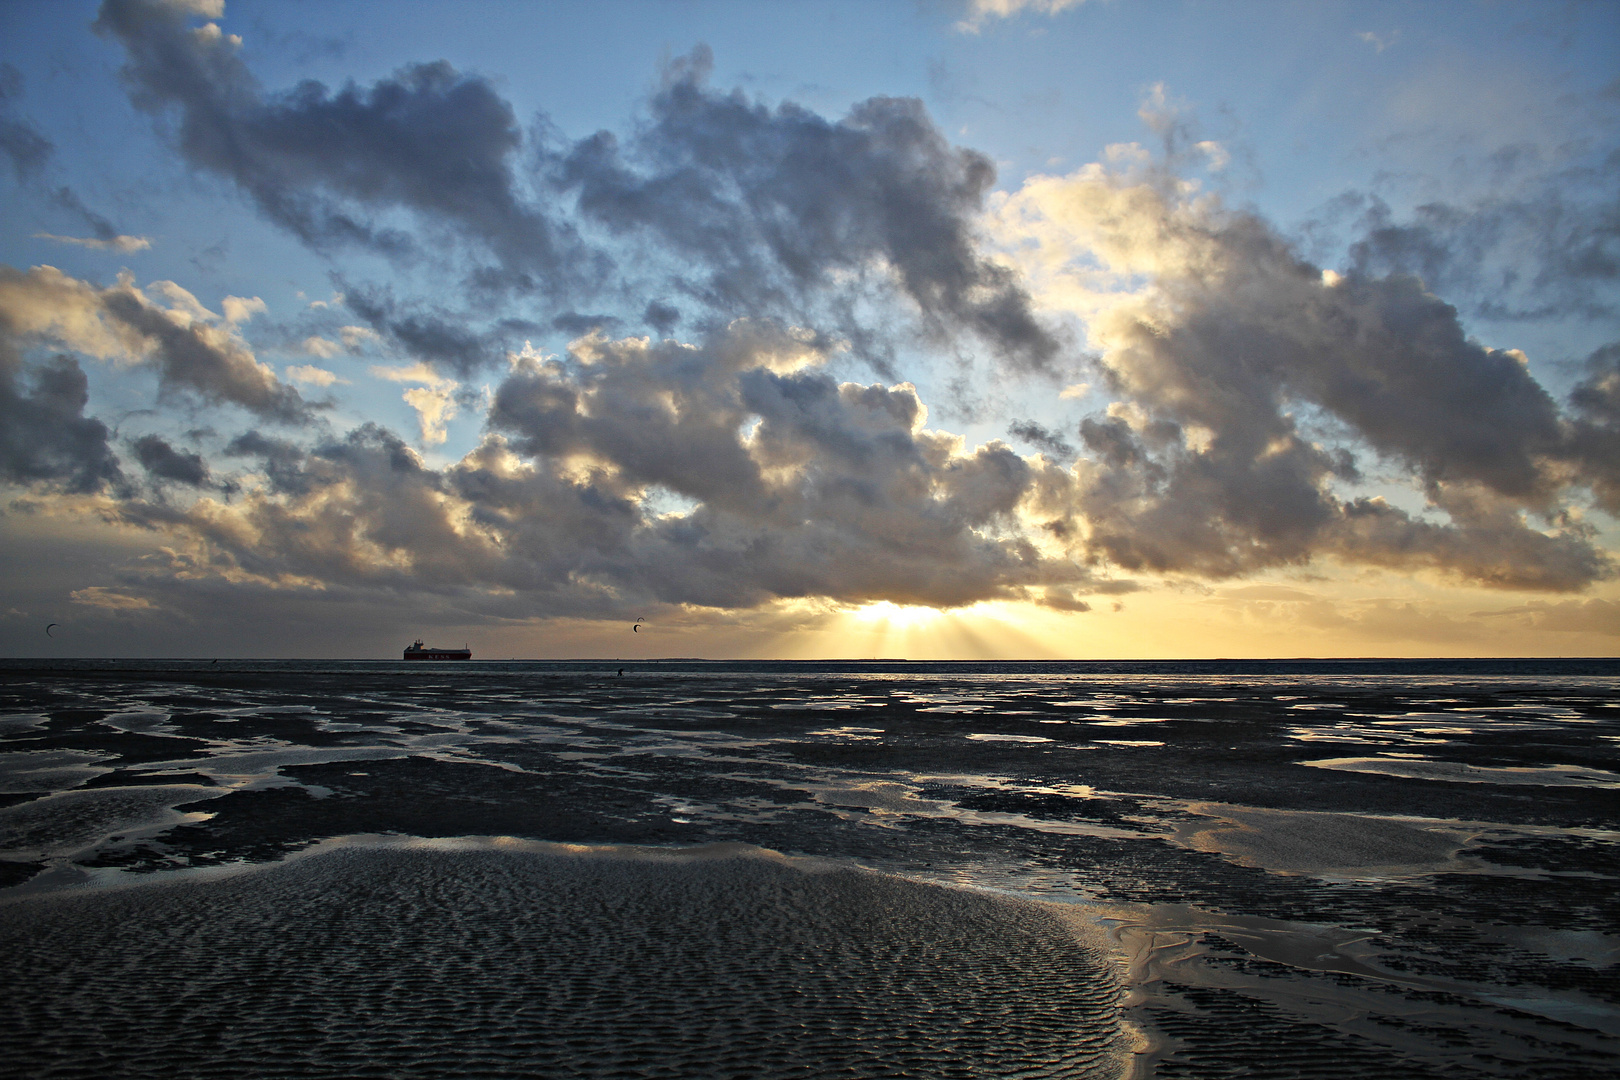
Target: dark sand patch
[
  {"x": 434, "y": 962},
  {"x": 71, "y": 821},
  {"x": 30, "y": 771}
]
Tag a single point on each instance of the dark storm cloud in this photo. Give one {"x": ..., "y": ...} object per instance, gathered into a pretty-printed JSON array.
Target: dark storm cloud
[
  {"x": 576, "y": 323},
  {"x": 1383, "y": 354},
  {"x": 660, "y": 316},
  {"x": 1598, "y": 394},
  {"x": 1043, "y": 439},
  {"x": 164, "y": 462},
  {"x": 1486, "y": 543},
  {"x": 45, "y": 438},
  {"x": 440, "y": 338},
  {"x": 1596, "y": 437},
  {"x": 776, "y": 202},
  {"x": 429, "y": 140},
  {"x": 281, "y": 460}
]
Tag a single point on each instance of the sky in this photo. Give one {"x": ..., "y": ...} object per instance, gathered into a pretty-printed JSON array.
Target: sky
[{"x": 968, "y": 329}]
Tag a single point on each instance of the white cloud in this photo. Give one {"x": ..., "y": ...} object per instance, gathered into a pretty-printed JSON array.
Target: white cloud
[
  {"x": 240, "y": 309},
  {"x": 124, "y": 245},
  {"x": 353, "y": 338},
  {"x": 982, "y": 11},
  {"x": 356, "y": 336},
  {"x": 321, "y": 347},
  {"x": 310, "y": 375},
  {"x": 434, "y": 408},
  {"x": 433, "y": 400},
  {"x": 1380, "y": 42},
  {"x": 413, "y": 373},
  {"x": 1219, "y": 157}
]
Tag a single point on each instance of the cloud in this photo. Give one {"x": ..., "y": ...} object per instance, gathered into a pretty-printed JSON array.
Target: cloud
[
  {"x": 31, "y": 152},
  {"x": 1526, "y": 227},
  {"x": 1238, "y": 361},
  {"x": 1048, "y": 442},
  {"x": 21, "y": 140},
  {"x": 239, "y": 309},
  {"x": 783, "y": 206},
  {"x": 787, "y": 484},
  {"x": 741, "y": 208},
  {"x": 109, "y": 599},
  {"x": 661, "y": 316},
  {"x": 735, "y": 472},
  {"x": 164, "y": 462},
  {"x": 1596, "y": 432},
  {"x": 353, "y": 338},
  {"x": 326, "y": 164},
  {"x": 804, "y": 486},
  {"x": 1254, "y": 392},
  {"x": 193, "y": 352},
  {"x": 310, "y": 375},
  {"x": 283, "y": 461},
  {"x": 982, "y": 11},
  {"x": 124, "y": 245},
  {"x": 434, "y": 400},
  {"x": 1567, "y": 616},
  {"x": 45, "y": 438},
  {"x": 434, "y": 337},
  {"x": 1541, "y": 253}
]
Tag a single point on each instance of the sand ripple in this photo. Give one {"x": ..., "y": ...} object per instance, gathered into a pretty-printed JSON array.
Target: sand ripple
[{"x": 377, "y": 962}]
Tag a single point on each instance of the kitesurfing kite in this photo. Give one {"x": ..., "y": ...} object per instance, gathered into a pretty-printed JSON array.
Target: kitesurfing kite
[
  {"x": 48, "y": 629},
  {"x": 635, "y": 627}
]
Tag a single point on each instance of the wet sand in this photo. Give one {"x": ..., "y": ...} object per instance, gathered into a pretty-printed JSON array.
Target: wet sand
[
  {"x": 1293, "y": 876},
  {"x": 489, "y": 960}
]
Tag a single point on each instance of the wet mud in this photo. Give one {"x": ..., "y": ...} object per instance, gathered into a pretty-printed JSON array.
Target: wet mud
[{"x": 1292, "y": 875}]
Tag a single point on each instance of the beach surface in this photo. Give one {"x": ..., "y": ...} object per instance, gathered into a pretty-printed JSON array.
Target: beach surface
[{"x": 703, "y": 870}]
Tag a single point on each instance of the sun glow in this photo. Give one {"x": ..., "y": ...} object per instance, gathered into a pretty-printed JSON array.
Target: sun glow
[
  {"x": 898, "y": 616},
  {"x": 886, "y": 630}
]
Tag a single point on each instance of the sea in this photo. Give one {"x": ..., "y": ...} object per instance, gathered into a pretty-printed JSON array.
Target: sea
[{"x": 690, "y": 868}]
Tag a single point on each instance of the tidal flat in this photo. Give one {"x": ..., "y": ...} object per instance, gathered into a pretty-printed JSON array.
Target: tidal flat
[{"x": 753, "y": 869}]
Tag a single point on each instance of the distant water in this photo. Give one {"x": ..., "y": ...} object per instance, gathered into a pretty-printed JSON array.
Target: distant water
[{"x": 1205, "y": 869}]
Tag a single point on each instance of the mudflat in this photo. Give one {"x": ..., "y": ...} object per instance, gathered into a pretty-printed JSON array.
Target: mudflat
[{"x": 694, "y": 870}]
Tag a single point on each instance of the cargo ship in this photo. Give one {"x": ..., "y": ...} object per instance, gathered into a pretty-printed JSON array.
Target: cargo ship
[{"x": 419, "y": 651}]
